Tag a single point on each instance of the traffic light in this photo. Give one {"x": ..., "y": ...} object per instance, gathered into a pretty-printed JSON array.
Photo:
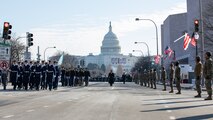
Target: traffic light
[
  {"x": 196, "y": 23},
  {"x": 6, "y": 30},
  {"x": 29, "y": 39}
]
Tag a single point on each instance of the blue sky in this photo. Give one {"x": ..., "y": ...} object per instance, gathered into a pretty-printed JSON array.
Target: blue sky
[{"x": 78, "y": 27}]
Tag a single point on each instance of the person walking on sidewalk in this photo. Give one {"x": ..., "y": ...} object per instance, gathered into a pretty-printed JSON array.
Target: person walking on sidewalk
[
  {"x": 171, "y": 77},
  {"x": 177, "y": 77},
  {"x": 198, "y": 72},
  {"x": 163, "y": 77},
  {"x": 207, "y": 72}
]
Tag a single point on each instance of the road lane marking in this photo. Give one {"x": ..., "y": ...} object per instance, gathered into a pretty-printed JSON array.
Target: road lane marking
[
  {"x": 172, "y": 118},
  {"x": 8, "y": 116},
  {"x": 166, "y": 106},
  {"x": 69, "y": 100},
  {"x": 45, "y": 106},
  {"x": 169, "y": 111},
  {"x": 30, "y": 110},
  {"x": 59, "y": 103}
]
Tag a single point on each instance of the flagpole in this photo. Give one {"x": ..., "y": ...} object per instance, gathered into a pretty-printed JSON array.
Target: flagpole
[{"x": 179, "y": 38}]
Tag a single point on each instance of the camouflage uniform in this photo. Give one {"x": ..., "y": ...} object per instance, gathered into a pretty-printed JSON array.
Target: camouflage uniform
[
  {"x": 154, "y": 78},
  {"x": 198, "y": 72},
  {"x": 207, "y": 72},
  {"x": 163, "y": 78},
  {"x": 151, "y": 78}
]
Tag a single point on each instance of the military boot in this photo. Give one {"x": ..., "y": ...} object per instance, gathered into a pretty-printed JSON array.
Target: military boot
[
  {"x": 209, "y": 97},
  {"x": 171, "y": 91},
  {"x": 198, "y": 96}
]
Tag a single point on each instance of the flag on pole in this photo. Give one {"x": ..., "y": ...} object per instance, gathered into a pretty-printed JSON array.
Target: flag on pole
[
  {"x": 60, "y": 61},
  {"x": 168, "y": 52},
  {"x": 186, "y": 42},
  {"x": 193, "y": 41}
]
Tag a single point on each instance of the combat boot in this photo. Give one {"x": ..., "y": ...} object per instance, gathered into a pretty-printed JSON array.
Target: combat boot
[
  {"x": 198, "y": 96},
  {"x": 171, "y": 91},
  {"x": 208, "y": 98}
]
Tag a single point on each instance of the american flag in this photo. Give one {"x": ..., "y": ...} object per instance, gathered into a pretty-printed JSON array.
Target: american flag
[
  {"x": 168, "y": 52},
  {"x": 186, "y": 41}
]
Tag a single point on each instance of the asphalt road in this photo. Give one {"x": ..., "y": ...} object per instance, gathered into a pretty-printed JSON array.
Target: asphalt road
[{"x": 99, "y": 101}]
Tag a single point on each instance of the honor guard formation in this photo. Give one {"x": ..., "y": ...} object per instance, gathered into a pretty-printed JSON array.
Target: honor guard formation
[
  {"x": 150, "y": 77},
  {"x": 45, "y": 75}
]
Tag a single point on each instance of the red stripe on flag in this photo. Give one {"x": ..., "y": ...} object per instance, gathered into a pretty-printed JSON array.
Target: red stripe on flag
[{"x": 187, "y": 40}]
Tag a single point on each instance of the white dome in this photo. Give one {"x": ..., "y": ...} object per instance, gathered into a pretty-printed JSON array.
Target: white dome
[{"x": 110, "y": 44}]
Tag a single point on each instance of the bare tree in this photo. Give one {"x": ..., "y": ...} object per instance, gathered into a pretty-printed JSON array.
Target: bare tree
[
  {"x": 68, "y": 61},
  {"x": 208, "y": 24},
  {"x": 17, "y": 49}
]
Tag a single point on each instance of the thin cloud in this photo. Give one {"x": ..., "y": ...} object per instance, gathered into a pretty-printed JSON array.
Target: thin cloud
[{"x": 82, "y": 39}]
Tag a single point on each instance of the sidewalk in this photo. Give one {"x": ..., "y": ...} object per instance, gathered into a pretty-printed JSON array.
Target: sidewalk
[{"x": 185, "y": 86}]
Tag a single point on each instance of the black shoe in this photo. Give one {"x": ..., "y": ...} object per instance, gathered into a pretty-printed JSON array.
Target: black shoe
[
  {"x": 208, "y": 98},
  {"x": 178, "y": 93},
  {"x": 171, "y": 91},
  {"x": 164, "y": 90},
  {"x": 197, "y": 96}
]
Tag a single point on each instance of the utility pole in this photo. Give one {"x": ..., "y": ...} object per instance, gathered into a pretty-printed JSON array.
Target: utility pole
[{"x": 38, "y": 55}]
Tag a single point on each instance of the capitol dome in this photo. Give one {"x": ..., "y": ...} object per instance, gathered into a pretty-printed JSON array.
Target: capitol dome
[{"x": 110, "y": 44}]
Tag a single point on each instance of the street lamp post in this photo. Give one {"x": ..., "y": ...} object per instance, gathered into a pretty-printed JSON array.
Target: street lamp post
[
  {"x": 146, "y": 46},
  {"x": 138, "y": 51},
  {"x": 156, "y": 28},
  {"x": 147, "y": 50},
  {"x": 46, "y": 50}
]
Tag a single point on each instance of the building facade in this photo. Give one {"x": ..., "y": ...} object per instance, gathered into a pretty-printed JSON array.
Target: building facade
[
  {"x": 176, "y": 25},
  {"x": 110, "y": 55}
]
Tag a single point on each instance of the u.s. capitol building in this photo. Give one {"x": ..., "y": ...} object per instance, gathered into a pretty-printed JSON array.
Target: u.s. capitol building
[{"x": 110, "y": 55}]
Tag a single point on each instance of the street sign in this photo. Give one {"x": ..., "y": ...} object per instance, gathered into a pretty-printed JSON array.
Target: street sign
[
  {"x": 4, "y": 64},
  {"x": 196, "y": 36},
  {"x": 5, "y": 53},
  {"x": 27, "y": 55}
]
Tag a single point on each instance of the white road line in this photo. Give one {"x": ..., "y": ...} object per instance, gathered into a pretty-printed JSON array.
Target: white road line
[
  {"x": 30, "y": 110},
  {"x": 172, "y": 118},
  {"x": 169, "y": 111},
  {"x": 8, "y": 116},
  {"x": 69, "y": 100},
  {"x": 59, "y": 103},
  {"x": 45, "y": 106},
  {"x": 75, "y": 98},
  {"x": 166, "y": 106}
]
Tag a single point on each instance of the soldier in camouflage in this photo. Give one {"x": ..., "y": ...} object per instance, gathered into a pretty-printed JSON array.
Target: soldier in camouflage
[
  {"x": 207, "y": 72},
  {"x": 198, "y": 73}
]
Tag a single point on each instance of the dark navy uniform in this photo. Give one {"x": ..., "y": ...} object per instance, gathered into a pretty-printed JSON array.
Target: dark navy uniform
[
  {"x": 50, "y": 75},
  {"x": 57, "y": 74},
  {"x": 43, "y": 79},
  {"x": 26, "y": 75},
  {"x": 38, "y": 71},
  {"x": 86, "y": 77},
  {"x": 20, "y": 78},
  {"x": 72, "y": 76},
  {"x": 32, "y": 76},
  {"x": 63, "y": 76},
  {"x": 14, "y": 75}
]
